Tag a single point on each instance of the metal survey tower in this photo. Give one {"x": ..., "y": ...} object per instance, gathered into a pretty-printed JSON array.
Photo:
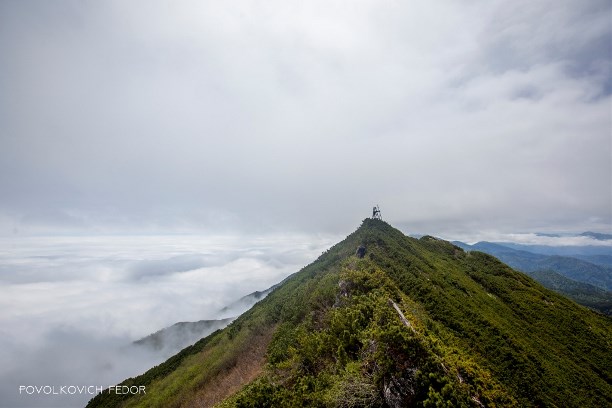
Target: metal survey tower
[{"x": 376, "y": 213}]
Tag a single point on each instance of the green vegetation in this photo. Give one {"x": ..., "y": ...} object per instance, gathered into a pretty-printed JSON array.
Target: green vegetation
[
  {"x": 582, "y": 293},
  {"x": 355, "y": 350},
  {"x": 571, "y": 267},
  {"x": 414, "y": 323},
  {"x": 553, "y": 271}
]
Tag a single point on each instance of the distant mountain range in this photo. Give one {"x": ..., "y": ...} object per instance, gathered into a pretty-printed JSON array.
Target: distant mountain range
[
  {"x": 597, "y": 235},
  {"x": 588, "y": 252},
  {"x": 171, "y": 339},
  {"x": 586, "y": 279},
  {"x": 180, "y": 335},
  {"x": 244, "y": 303}
]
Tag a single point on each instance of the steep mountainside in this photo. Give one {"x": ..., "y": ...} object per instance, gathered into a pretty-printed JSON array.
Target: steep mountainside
[
  {"x": 570, "y": 267},
  {"x": 412, "y": 323},
  {"x": 582, "y": 293},
  {"x": 550, "y": 271}
]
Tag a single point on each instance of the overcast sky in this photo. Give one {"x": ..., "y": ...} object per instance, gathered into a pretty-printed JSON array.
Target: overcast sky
[{"x": 199, "y": 116}]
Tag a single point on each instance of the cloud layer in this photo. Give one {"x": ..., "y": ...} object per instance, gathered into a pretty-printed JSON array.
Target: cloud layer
[
  {"x": 197, "y": 116},
  {"x": 70, "y": 307}
]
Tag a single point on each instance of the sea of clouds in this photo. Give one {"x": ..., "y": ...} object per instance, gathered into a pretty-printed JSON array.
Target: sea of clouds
[{"x": 70, "y": 307}]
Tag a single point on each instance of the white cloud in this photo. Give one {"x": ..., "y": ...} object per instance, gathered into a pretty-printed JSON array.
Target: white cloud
[
  {"x": 70, "y": 305},
  {"x": 559, "y": 240}
]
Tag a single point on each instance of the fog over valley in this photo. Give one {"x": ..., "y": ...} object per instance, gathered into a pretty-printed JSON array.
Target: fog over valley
[{"x": 70, "y": 307}]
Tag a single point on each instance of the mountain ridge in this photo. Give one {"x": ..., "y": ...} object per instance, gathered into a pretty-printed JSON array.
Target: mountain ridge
[{"x": 334, "y": 334}]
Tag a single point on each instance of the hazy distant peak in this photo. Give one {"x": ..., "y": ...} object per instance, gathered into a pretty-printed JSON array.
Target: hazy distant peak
[{"x": 597, "y": 235}]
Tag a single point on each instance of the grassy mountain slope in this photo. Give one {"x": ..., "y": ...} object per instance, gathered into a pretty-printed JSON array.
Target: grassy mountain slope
[
  {"x": 550, "y": 271},
  {"x": 570, "y": 267},
  {"x": 580, "y": 292},
  {"x": 413, "y": 323}
]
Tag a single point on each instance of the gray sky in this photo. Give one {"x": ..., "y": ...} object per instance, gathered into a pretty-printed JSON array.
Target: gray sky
[{"x": 199, "y": 116}]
